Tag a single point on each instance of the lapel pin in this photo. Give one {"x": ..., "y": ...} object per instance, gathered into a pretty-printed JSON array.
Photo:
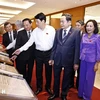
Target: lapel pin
[{"x": 90, "y": 41}]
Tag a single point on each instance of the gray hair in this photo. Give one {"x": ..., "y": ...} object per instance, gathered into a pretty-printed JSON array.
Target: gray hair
[{"x": 19, "y": 23}]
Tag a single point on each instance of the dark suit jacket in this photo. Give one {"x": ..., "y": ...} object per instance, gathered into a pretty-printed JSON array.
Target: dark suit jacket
[
  {"x": 22, "y": 38},
  {"x": 6, "y": 41},
  {"x": 66, "y": 53}
]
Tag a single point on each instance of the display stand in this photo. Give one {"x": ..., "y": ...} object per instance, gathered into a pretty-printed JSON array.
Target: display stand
[{"x": 13, "y": 86}]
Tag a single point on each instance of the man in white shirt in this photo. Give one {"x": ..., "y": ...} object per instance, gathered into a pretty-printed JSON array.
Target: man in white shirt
[{"x": 43, "y": 36}]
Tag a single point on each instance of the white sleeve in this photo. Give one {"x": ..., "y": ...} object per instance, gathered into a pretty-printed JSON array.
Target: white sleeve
[
  {"x": 11, "y": 45},
  {"x": 28, "y": 43}
]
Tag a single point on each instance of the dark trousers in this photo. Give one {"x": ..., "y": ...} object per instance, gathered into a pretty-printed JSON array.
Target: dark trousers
[
  {"x": 68, "y": 70},
  {"x": 25, "y": 67},
  {"x": 30, "y": 66},
  {"x": 72, "y": 79},
  {"x": 43, "y": 58},
  {"x": 77, "y": 79}
]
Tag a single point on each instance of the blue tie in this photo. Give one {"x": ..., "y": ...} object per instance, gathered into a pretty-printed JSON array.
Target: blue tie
[{"x": 64, "y": 34}]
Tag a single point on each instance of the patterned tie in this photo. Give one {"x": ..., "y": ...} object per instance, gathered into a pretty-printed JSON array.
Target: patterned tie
[{"x": 64, "y": 34}]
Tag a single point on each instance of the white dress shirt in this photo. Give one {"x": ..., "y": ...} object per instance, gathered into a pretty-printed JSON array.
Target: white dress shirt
[
  {"x": 43, "y": 39},
  {"x": 81, "y": 33},
  {"x": 11, "y": 35},
  {"x": 12, "y": 44}
]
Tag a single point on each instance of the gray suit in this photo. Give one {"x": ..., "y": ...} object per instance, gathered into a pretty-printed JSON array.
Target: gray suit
[{"x": 65, "y": 54}]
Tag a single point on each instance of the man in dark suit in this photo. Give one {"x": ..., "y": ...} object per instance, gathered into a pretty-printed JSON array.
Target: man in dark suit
[
  {"x": 65, "y": 53},
  {"x": 19, "y": 27},
  {"x": 9, "y": 37},
  {"x": 25, "y": 61}
]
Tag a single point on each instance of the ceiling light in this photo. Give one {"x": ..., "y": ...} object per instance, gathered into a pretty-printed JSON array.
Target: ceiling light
[
  {"x": 56, "y": 15},
  {"x": 2, "y": 21},
  {"x": 6, "y": 15},
  {"x": 9, "y": 11},
  {"x": 16, "y": 3},
  {"x": 75, "y": 2},
  {"x": 2, "y": 18}
]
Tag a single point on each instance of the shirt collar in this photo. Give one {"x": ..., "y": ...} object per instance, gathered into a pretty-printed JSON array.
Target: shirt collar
[
  {"x": 29, "y": 31},
  {"x": 67, "y": 29},
  {"x": 10, "y": 32}
]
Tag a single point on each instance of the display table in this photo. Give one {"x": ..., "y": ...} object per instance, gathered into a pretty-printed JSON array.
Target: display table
[
  {"x": 9, "y": 70},
  {"x": 13, "y": 86},
  {"x": 4, "y": 57},
  {"x": 15, "y": 89}
]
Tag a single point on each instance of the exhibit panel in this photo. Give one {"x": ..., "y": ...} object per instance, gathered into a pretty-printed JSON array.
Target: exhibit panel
[
  {"x": 12, "y": 87},
  {"x": 4, "y": 58}
]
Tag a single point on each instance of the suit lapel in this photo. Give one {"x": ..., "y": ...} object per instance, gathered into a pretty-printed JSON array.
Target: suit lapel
[{"x": 60, "y": 36}]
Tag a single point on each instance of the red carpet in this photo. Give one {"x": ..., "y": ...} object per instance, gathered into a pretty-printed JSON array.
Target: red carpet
[{"x": 72, "y": 95}]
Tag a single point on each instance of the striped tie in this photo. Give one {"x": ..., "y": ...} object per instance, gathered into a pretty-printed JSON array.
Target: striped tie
[{"x": 64, "y": 34}]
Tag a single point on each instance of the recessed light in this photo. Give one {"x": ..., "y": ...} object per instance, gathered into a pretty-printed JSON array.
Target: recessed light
[
  {"x": 6, "y": 15},
  {"x": 16, "y": 3},
  {"x": 9, "y": 11},
  {"x": 4, "y": 18}
]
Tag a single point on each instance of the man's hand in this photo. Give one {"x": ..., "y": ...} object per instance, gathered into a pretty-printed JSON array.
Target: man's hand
[
  {"x": 51, "y": 62},
  {"x": 17, "y": 52},
  {"x": 13, "y": 57},
  {"x": 76, "y": 67}
]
